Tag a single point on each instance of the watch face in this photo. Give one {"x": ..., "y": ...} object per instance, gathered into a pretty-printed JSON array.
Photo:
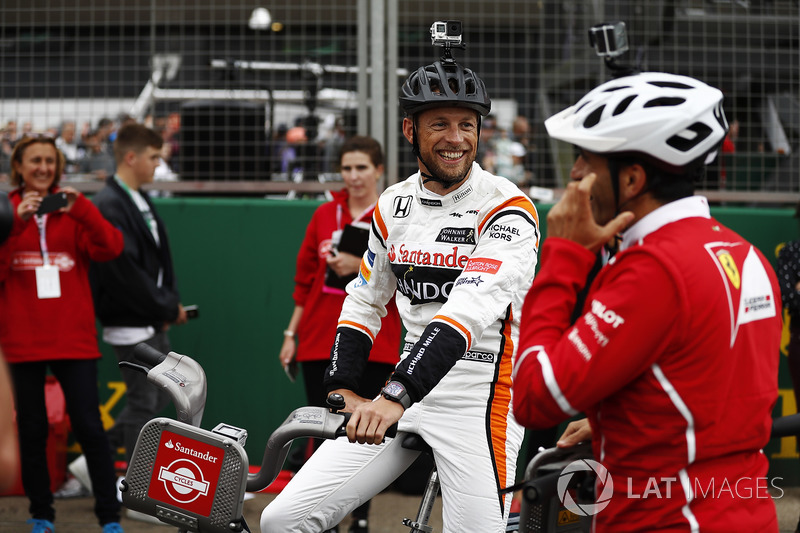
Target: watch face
[{"x": 394, "y": 388}]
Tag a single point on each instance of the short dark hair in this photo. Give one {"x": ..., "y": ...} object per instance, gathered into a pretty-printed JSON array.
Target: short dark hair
[
  {"x": 362, "y": 143},
  {"x": 662, "y": 185},
  {"x": 135, "y": 138}
]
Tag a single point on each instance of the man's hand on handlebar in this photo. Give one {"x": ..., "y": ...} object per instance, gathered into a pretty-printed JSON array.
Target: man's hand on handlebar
[
  {"x": 576, "y": 432},
  {"x": 370, "y": 420},
  {"x": 351, "y": 399}
]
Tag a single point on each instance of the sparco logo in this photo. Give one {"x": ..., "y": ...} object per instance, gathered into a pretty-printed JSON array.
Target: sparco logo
[{"x": 482, "y": 357}]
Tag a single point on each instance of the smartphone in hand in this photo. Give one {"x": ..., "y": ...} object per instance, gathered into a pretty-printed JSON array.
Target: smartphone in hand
[
  {"x": 52, "y": 202},
  {"x": 192, "y": 311}
]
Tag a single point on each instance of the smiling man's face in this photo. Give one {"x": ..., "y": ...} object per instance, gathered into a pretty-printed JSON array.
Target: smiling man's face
[{"x": 448, "y": 140}]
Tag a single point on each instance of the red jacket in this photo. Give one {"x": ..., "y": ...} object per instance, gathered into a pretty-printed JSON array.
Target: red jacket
[
  {"x": 675, "y": 362},
  {"x": 321, "y": 309},
  {"x": 33, "y": 329}
]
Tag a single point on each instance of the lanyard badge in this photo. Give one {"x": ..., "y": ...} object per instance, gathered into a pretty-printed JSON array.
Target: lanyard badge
[{"x": 48, "y": 282}]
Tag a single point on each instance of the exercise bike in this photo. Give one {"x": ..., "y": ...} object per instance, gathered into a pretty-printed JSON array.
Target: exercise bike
[{"x": 196, "y": 479}]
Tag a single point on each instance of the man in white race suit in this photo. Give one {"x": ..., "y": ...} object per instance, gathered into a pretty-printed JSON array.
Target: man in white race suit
[{"x": 457, "y": 248}]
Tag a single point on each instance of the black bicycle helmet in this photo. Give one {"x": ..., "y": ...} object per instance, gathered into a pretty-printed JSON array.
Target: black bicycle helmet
[{"x": 444, "y": 83}]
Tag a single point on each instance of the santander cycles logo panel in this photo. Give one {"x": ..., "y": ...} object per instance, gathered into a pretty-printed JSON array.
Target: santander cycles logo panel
[{"x": 185, "y": 473}]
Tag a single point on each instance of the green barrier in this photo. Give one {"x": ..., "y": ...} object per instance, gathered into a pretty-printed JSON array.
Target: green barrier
[
  {"x": 747, "y": 171},
  {"x": 235, "y": 258}
]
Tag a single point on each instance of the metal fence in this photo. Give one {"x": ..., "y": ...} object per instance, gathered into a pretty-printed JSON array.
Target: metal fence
[{"x": 257, "y": 98}]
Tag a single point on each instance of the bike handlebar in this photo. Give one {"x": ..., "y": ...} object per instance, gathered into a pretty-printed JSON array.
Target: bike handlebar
[
  {"x": 181, "y": 376},
  {"x": 785, "y": 426},
  {"x": 318, "y": 422},
  {"x": 148, "y": 355},
  {"x": 185, "y": 381}
]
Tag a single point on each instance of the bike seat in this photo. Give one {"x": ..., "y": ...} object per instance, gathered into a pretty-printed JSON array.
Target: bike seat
[{"x": 412, "y": 441}]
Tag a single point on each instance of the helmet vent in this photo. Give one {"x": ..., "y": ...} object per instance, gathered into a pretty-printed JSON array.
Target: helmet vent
[
  {"x": 690, "y": 137},
  {"x": 665, "y": 101},
  {"x": 469, "y": 85},
  {"x": 623, "y": 105},
  {"x": 670, "y": 85},
  {"x": 594, "y": 117},
  {"x": 719, "y": 114},
  {"x": 617, "y": 88}
]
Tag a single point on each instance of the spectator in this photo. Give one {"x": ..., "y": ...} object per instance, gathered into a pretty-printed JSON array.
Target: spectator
[
  {"x": 7, "y": 140},
  {"x": 486, "y": 148},
  {"x": 105, "y": 128},
  {"x": 521, "y": 131},
  {"x": 276, "y": 147},
  {"x": 320, "y": 278},
  {"x": 9, "y": 449},
  {"x": 675, "y": 356},
  {"x": 332, "y": 145},
  {"x": 789, "y": 279},
  {"x": 67, "y": 142},
  {"x": 47, "y": 322},
  {"x": 136, "y": 295},
  {"x": 508, "y": 156},
  {"x": 456, "y": 247},
  {"x": 291, "y": 156},
  {"x": 98, "y": 161}
]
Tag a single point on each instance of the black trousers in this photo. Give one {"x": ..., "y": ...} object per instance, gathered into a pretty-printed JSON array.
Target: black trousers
[{"x": 78, "y": 379}]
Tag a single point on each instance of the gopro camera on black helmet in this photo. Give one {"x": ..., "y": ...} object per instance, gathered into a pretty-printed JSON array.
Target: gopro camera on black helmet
[{"x": 446, "y": 33}]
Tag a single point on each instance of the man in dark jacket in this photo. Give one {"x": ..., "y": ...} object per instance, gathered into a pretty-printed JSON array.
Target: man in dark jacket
[{"x": 136, "y": 295}]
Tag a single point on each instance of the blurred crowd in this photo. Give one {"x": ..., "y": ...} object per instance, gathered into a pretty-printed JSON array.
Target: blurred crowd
[
  {"x": 508, "y": 152},
  {"x": 292, "y": 150},
  {"x": 88, "y": 150}
]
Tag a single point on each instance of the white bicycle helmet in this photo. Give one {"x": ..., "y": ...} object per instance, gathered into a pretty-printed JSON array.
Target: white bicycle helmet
[{"x": 675, "y": 121}]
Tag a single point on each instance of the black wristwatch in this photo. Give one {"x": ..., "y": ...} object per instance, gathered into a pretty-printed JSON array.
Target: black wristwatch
[{"x": 396, "y": 392}]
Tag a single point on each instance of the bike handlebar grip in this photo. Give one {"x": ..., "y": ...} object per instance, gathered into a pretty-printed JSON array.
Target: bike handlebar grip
[
  {"x": 541, "y": 489},
  {"x": 785, "y": 426},
  {"x": 148, "y": 355}
]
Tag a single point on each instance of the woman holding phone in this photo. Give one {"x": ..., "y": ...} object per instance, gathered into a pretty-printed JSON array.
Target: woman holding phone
[{"x": 47, "y": 322}]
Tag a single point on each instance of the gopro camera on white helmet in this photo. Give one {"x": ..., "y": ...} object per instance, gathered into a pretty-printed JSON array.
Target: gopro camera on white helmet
[
  {"x": 446, "y": 33},
  {"x": 609, "y": 39}
]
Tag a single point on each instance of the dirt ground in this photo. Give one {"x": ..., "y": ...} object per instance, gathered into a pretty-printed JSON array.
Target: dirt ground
[
  {"x": 75, "y": 515},
  {"x": 386, "y": 516}
]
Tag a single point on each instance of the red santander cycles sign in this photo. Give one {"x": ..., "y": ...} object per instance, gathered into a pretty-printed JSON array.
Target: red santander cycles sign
[{"x": 185, "y": 473}]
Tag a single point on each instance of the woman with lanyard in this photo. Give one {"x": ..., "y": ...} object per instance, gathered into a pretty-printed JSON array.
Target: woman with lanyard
[
  {"x": 323, "y": 270},
  {"x": 47, "y": 322}
]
